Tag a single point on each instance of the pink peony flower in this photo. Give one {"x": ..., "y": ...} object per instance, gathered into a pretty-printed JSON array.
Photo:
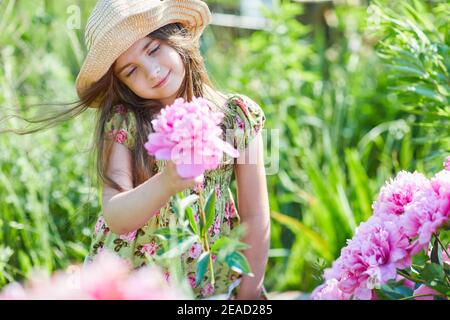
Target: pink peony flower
[
  {"x": 195, "y": 250},
  {"x": 370, "y": 258},
  {"x": 329, "y": 291},
  {"x": 189, "y": 134},
  {"x": 396, "y": 194},
  {"x": 440, "y": 184},
  {"x": 422, "y": 218},
  {"x": 408, "y": 211}
]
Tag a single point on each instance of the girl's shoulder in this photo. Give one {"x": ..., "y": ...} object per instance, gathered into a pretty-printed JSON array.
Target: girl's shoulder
[{"x": 120, "y": 126}]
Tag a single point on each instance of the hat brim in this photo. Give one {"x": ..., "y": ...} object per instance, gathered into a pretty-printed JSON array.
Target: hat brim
[{"x": 194, "y": 15}]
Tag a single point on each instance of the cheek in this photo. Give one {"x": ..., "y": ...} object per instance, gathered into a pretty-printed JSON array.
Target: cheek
[{"x": 175, "y": 62}]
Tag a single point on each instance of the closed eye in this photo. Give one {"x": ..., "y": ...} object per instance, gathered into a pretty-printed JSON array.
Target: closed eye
[
  {"x": 154, "y": 50},
  {"x": 150, "y": 53}
]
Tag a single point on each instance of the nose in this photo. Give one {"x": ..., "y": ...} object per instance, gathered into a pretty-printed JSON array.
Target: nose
[{"x": 153, "y": 70}]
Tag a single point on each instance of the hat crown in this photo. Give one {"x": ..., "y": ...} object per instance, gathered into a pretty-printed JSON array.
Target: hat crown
[{"x": 108, "y": 13}]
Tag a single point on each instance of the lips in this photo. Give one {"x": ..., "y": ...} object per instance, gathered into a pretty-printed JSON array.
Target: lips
[{"x": 163, "y": 81}]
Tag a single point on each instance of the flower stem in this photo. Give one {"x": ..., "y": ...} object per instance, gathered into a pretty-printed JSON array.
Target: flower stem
[
  {"x": 436, "y": 236},
  {"x": 422, "y": 295},
  {"x": 205, "y": 241},
  {"x": 405, "y": 275},
  {"x": 443, "y": 247}
]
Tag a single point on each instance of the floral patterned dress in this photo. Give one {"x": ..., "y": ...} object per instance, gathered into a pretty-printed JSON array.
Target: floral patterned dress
[{"x": 246, "y": 119}]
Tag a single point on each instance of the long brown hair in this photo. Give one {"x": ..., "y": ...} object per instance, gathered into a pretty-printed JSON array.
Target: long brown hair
[{"x": 110, "y": 91}]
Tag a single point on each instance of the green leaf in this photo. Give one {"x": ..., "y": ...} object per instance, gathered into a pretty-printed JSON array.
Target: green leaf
[
  {"x": 237, "y": 262},
  {"x": 24, "y": 262},
  {"x": 210, "y": 209},
  {"x": 202, "y": 266},
  {"x": 191, "y": 219},
  {"x": 167, "y": 233},
  {"x": 394, "y": 293},
  {"x": 182, "y": 246},
  {"x": 228, "y": 245},
  {"x": 188, "y": 201},
  {"x": 296, "y": 226},
  {"x": 420, "y": 258},
  {"x": 182, "y": 203},
  {"x": 360, "y": 182},
  {"x": 433, "y": 274}
]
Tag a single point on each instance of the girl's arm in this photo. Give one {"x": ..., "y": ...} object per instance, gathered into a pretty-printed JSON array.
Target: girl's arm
[
  {"x": 253, "y": 208},
  {"x": 127, "y": 211}
]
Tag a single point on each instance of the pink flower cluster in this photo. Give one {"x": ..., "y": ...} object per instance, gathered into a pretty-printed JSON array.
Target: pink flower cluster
[
  {"x": 408, "y": 211},
  {"x": 108, "y": 277},
  {"x": 188, "y": 133}
]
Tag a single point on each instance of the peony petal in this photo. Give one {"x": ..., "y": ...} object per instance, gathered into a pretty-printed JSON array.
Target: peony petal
[
  {"x": 163, "y": 154},
  {"x": 190, "y": 170}
]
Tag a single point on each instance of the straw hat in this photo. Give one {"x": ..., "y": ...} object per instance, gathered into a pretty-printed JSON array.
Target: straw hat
[{"x": 114, "y": 25}]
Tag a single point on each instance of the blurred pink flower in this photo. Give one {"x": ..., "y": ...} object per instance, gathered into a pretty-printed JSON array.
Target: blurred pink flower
[
  {"x": 397, "y": 193},
  {"x": 189, "y": 134},
  {"x": 329, "y": 291},
  {"x": 107, "y": 277}
]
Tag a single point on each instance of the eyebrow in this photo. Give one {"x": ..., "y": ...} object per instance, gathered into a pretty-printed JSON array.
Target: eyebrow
[{"x": 143, "y": 49}]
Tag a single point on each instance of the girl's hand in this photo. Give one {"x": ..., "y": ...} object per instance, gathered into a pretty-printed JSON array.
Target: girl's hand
[{"x": 174, "y": 182}]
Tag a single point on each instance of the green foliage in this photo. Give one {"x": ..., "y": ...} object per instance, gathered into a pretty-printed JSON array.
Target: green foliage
[
  {"x": 47, "y": 183},
  {"x": 414, "y": 46},
  {"x": 344, "y": 127}
]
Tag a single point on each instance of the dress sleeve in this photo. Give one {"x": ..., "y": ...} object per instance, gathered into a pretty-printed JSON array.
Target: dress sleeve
[
  {"x": 120, "y": 126},
  {"x": 247, "y": 120}
]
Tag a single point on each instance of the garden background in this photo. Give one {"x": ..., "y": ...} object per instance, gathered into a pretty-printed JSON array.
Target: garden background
[{"x": 358, "y": 90}]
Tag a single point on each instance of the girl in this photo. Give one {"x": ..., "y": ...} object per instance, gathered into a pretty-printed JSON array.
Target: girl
[{"x": 142, "y": 55}]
